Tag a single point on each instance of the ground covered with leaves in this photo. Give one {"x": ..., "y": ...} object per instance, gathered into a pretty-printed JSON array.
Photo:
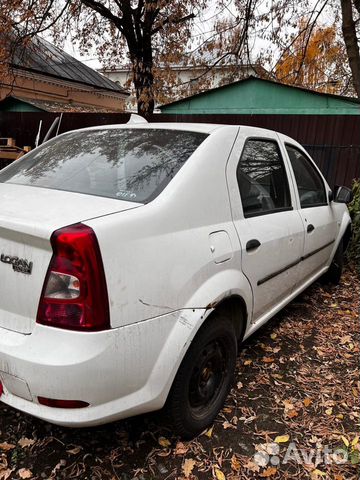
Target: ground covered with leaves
[{"x": 293, "y": 413}]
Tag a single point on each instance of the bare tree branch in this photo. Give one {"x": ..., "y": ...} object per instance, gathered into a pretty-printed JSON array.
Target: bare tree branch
[
  {"x": 104, "y": 12},
  {"x": 175, "y": 22},
  {"x": 308, "y": 36}
]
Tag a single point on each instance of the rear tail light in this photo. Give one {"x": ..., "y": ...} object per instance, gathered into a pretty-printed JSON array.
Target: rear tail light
[
  {"x": 1, "y": 389},
  {"x": 75, "y": 295}
]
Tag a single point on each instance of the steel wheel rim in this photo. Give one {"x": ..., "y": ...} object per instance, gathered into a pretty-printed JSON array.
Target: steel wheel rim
[{"x": 208, "y": 377}]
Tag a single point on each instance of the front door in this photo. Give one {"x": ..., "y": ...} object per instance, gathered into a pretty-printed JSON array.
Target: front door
[{"x": 318, "y": 218}]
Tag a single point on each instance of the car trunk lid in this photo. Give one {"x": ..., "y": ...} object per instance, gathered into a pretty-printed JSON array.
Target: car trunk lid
[{"x": 28, "y": 217}]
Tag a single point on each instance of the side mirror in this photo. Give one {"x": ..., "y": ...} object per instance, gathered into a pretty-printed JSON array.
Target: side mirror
[{"x": 343, "y": 195}]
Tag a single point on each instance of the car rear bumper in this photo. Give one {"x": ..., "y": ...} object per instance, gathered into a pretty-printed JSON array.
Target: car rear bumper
[{"x": 119, "y": 373}]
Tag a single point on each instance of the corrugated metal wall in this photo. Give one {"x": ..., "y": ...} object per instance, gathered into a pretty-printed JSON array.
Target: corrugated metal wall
[{"x": 332, "y": 140}]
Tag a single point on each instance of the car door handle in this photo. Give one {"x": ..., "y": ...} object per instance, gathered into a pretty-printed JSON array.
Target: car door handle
[
  {"x": 310, "y": 228},
  {"x": 252, "y": 245}
]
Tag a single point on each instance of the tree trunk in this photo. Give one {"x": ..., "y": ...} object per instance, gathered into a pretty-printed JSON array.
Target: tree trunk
[
  {"x": 143, "y": 81},
  {"x": 351, "y": 42}
]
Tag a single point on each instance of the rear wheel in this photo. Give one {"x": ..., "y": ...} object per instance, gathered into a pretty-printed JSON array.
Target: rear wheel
[
  {"x": 204, "y": 377},
  {"x": 333, "y": 275}
]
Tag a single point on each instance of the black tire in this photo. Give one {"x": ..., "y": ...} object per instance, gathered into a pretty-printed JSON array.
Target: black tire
[
  {"x": 204, "y": 378},
  {"x": 333, "y": 275}
]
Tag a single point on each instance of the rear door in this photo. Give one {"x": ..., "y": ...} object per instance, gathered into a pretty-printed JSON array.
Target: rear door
[
  {"x": 317, "y": 214},
  {"x": 270, "y": 230}
]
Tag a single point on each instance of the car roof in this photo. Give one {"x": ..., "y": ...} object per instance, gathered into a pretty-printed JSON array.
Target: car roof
[
  {"x": 192, "y": 127},
  {"x": 185, "y": 126}
]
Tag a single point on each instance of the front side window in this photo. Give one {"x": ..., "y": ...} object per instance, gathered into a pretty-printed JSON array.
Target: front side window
[
  {"x": 310, "y": 185},
  {"x": 128, "y": 164},
  {"x": 262, "y": 178}
]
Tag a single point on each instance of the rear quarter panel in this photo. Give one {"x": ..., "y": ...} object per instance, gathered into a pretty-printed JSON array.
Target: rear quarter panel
[{"x": 157, "y": 258}]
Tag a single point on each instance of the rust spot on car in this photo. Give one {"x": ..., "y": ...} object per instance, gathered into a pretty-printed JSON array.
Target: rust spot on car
[{"x": 211, "y": 305}]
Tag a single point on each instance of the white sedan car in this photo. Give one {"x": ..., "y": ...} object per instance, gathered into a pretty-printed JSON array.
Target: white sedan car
[{"x": 136, "y": 258}]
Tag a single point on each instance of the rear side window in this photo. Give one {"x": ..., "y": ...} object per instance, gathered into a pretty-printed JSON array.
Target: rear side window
[
  {"x": 262, "y": 178},
  {"x": 128, "y": 164},
  {"x": 310, "y": 184}
]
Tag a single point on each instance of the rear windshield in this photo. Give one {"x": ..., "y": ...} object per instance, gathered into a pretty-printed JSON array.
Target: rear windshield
[{"x": 128, "y": 164}]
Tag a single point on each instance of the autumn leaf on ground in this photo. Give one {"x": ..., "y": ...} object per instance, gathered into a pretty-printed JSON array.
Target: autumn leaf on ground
[
  {"x": 269, "y": 448},
  {"x": 188, "y": 467},
  {"x": 269, "y": 472},
  {"x": 289, "y": 409},
  {"x": 345, "y": 339},
  {"x": 25, "y": 473},
  {"x": 227, "y": 425},
  {"x": 235, "y": 464},
  {"x": 288, "y": 405},
  {"x": 6, "y": 446},
  {"x": 5, "y": 474},
  {"x": 268, "y": 359},
  {"x": 181, "y": 449},
  {"x": 74, "y": 451},
  {"x": 316, "y": 474},
  {"x": 282, "y": 439},
  {"x": 219, "y": 474},
  {"x": 209, "y": 432},
  {"x": 254, "y": 467},
  {"x": 292, "y": 413},
  {"x": 307, "y": 401},
  {"x": 164, "y": 442},
  {"x": 26, "y": 442}
]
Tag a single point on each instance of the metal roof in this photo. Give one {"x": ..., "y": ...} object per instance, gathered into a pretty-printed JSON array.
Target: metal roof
[
  {"x": 54, "y": 106},
  {"x": 40, "y": 56},
  {"x": 263, "y": 80}
]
